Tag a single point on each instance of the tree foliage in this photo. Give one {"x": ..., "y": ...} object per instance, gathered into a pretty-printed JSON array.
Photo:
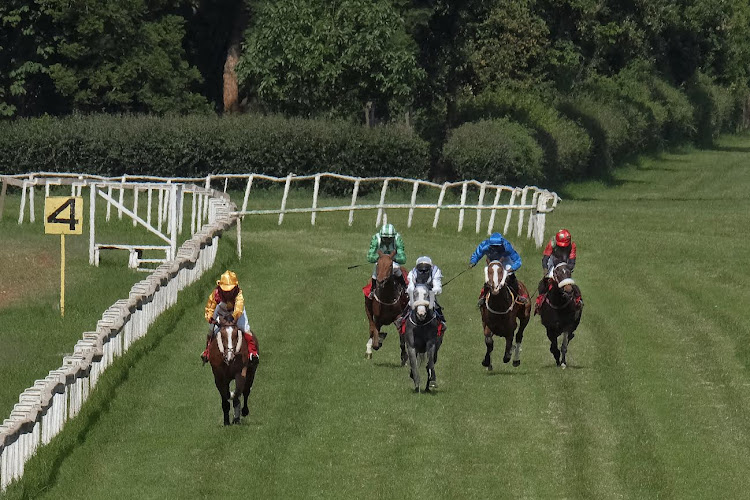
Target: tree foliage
[{"x": 308, "y": 57}]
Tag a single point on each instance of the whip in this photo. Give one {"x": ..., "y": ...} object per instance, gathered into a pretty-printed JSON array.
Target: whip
[{"x": 456, "y": 276}]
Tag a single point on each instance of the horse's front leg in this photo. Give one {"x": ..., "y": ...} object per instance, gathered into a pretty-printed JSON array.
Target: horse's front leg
[
  {"x": 564, "y": 349},
  {"x": 239, "y": 388},
  {"x": 490, "y": 346},
  {"x": 552, "y": 336},
  {"x": 413, "y": 364},
  {"x": 224, "y": 394}
]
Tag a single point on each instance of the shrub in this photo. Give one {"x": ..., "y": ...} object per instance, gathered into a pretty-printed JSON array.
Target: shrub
[
  {"x": 713, "y": 107},
  {"x": 198, "y": 145},
  {"x": 498, "y": 151},
  {"x": 678, "y": 127},
  {"x": 606, "y": 124},
  {"x": 565, "y": 144}
]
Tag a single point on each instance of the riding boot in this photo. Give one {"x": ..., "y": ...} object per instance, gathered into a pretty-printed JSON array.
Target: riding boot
[
  {"x": 372, "y": 287},
  {"x": 481, "y": 296},
  {"x": 204, "y": 354}
]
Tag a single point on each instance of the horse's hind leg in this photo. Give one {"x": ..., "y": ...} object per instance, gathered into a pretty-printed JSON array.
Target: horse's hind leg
[
  {"x": 224, "y": 394},
  {"x": 431, "y": 376},
  {"x": 404, "y": 356},
  {"x": 414, "y": 367},
  {"x": 508, "y": 347},
  {"x": 249, "y": 379},
  {"x": 490, "y": 346}
]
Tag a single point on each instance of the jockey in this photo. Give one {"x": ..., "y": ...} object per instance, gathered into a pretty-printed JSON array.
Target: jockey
[
  {"x": 426, "y": 273},
  {"x": 559, "y": 249},
  {"x": 228, "y": 295},
  {"x": 498, "y": 248},
  {"x": 387, "y": 240}
]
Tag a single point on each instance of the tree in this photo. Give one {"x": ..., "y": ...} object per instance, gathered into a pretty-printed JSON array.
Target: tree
[{"x": 307, "y": 57}]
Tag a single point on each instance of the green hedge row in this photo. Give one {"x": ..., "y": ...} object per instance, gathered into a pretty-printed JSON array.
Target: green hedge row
[
  {"x": 565, "y": 144},
  {"x": 499, "y": 151},
  {"x": 198, "y": 145}
]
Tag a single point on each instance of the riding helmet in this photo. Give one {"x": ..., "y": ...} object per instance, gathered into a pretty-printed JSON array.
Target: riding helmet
[
  {"x": 228, "y": 281},
  {"x": 562, "y": 238}
]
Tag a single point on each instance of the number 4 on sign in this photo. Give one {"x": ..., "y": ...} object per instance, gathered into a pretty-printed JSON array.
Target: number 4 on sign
[{"x": 63, "y": 215}]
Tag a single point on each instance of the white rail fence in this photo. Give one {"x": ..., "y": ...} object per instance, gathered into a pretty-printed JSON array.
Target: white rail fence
[
  {"x": 43, "y": 409},
  {"x": 529, "y": 200}
]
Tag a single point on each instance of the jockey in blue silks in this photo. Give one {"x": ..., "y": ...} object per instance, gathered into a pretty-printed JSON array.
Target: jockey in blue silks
[{"x": 498, "y": 248}]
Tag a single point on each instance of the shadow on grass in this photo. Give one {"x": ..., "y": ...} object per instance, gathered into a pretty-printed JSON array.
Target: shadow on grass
[
  {"x": 387, "y": 364},
  {"x": 732, "y": 149}
]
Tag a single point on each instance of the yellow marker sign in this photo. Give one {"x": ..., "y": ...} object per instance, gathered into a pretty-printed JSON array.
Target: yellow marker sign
[{"x": 63, "y": 215}]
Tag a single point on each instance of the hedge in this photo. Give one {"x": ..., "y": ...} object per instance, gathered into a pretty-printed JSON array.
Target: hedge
[
  {"x": 498, "y": 151},
  {"x": 713, "y": 108},
  {"x": 198, "y": 145},
  {"x": 566, "y": 145}
]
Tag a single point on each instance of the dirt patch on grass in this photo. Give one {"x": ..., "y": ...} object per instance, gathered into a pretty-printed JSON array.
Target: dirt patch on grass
[{"x": 26, "y": 272}]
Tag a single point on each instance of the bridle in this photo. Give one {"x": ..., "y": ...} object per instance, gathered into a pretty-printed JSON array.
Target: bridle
[
  {"x": 567, "y": 296},
  {"x": 502, "y": 285}
]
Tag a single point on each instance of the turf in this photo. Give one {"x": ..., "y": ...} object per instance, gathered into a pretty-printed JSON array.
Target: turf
[{"x": 652, "y": 405}]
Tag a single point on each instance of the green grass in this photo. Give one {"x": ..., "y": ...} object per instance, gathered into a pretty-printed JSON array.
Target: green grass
[{"x": 653, "y": 404}]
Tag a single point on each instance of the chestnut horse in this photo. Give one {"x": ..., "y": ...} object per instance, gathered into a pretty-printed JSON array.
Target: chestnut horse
[
  {"x": 230, "y": 360},
  {"x": 421, "y": 332},
  {"x": 560, "y": 312},
  {"x": 389, "y": 298},
  {"x": 501, "y": 313}
]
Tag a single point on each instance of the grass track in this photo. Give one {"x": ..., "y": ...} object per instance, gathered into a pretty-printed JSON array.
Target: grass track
[{"x": 653, "y": 405}]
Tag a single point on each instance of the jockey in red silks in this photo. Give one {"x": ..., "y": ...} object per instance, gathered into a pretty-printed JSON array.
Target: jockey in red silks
[
  {"x": 497, "y": 248},
  {"x": 386, "y": 240},
  {"x": 227, "y": 296},
  {"x": 559, "y": 249}
]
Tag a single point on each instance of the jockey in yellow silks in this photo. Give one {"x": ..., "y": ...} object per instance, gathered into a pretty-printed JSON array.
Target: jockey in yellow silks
[{"x": 227, "y": 296}]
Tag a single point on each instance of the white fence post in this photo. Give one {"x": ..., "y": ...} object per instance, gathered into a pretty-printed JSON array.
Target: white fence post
[
  {"x": 247, "y": 192},
  {"x": 413, "y": 202},
  {"x": 92, "y": 221},
  {"x": 439, "y": 204},
  {"x": 283, "y": 200},
  {"x": 382, "y": 202},
  {"x": 355, "y": 191},
  {"x": 480, "y": 201},
  {"x": 463, "y": 204},
  {"x": 315, "y": 198},
  {"x": 524, "y": 192}
]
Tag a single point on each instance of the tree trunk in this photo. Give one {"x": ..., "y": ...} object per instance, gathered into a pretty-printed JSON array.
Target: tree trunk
[{"x": 231, "y": 92}]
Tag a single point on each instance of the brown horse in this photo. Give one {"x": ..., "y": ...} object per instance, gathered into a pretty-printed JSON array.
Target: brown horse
[
  {"x": 230, "y": 360},
  {"x": 561, "y": 312},
  {"x": 501, "y": 313},
  {"x": 389, "y": 299}
]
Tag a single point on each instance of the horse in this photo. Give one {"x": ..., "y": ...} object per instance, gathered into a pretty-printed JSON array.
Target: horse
[
  {"x": 230, "y": 360},
  {"x": 559, "y": 312},
  {"x": 501, "y": 313},
  {"x": 421, "y": 332},
  {"x": 386, "y": 305}
]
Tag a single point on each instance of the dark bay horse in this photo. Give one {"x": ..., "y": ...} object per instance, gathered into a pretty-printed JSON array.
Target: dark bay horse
[
  {"x": 560, "y": 312},
  {"x": 501, "y": 313},
  {"x": 387, "y": 304},
  {"x": 230, "y": 360},
  {"x": 421, "y": 332}
]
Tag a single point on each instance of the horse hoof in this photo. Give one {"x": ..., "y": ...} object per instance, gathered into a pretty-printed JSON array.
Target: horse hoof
[
  {"x": 368, "y": 355},
  {"x": 505, "y": 360},
  {"x": 236, "y": 420},
  {"x": 245, "y": 411},
  {"x": 226, "y": 422},
  {"x": 486, "y": 363},
  {"x": 489, "y": 368},
  {"x": 563, "y": 365},
  {"x": 416, "y": 390},
  {"x": 404, "y": 359},
  {"x": 517, "y": 362},
  {"x": 432, "y": 384}
]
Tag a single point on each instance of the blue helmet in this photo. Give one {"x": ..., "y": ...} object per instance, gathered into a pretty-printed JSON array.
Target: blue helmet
[{"x": 496, "y": 239}]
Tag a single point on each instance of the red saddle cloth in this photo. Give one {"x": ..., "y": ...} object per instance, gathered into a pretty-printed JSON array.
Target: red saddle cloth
[{"x": 368, "y": 287}]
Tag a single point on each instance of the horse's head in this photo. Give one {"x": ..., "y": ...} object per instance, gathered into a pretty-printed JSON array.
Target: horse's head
[
  {"x": 495, "y": 276},
  {"x": 384, "y": 267},
  {"x": 423, "y": 302},
  {"x": 561, "y": 275},
  {"x": 229, "y": 338}
]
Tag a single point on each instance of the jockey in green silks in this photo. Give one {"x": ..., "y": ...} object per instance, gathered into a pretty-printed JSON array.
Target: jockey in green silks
[{"x": 387, "y": 240}]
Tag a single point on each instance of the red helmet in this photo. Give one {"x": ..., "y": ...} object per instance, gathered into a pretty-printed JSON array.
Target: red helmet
[{"x": 562, "y": 238}]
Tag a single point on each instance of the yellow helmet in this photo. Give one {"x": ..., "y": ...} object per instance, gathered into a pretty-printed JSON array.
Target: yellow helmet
[{"x": 228, "y": 281}]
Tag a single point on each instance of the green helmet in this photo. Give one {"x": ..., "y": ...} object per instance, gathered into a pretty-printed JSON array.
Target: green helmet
[{"x": 387, "y": 231}]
